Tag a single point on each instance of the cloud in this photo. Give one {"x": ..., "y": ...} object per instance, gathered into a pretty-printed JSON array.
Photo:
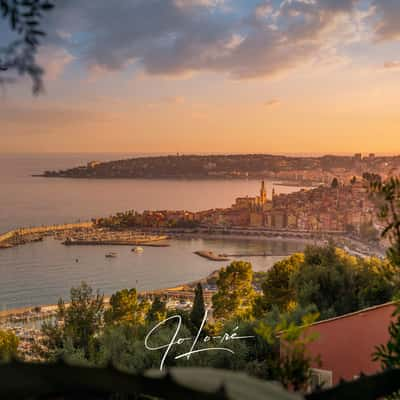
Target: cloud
[
  {"x": 181, "y": 37},
  {"x": 33, "y": 118},
  {"x": 171, "y": 100},
  {"x": 386, "y": 17},
  {"x": 392, "y": 64},
  {"x": 272, "y": 103},
  {"x": 174, "y": 100},
  {"x": 54, "y": 60}
]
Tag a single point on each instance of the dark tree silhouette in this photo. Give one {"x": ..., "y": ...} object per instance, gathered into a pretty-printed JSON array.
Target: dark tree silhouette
[
  {"x": 197, "y": 314},
  {"x": 24, "y": 17}
]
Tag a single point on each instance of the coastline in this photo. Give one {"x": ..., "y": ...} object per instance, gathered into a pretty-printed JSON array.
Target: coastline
[{"x": 59, "y": 232}]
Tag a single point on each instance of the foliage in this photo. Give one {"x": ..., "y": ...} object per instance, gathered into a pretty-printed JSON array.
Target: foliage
[
  {"x": 388, "y": 196},
  {"x": 338, "y": 283},
  {"x": 158, "y": 310},
  {"x": 133, "y": 219},
  {"x": 25, "y": 18},
  {"x": 8, "y": 345},
  {"x": 125, "y": 308},
  {"x": 48, "y": 381},
  {"x": 77, "y": 323},
  {"x": 389, "y": 354},
  {"x": 235, "y": 292},
  {"x": 199, "y": 308},
  {"x": 334, "y": 183},
  {"x": 277, "y": 288},
  {"x": 292, "y": 364}
]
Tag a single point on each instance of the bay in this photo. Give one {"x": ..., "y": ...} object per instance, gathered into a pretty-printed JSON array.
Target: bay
[{"x": 39, "y": 273}]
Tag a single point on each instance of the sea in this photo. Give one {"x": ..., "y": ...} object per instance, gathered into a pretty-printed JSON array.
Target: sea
[{"x": 40, "y": 273}]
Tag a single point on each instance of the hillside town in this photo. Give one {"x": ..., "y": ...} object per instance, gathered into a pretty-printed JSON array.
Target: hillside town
[{"x": 335, "y": 208}]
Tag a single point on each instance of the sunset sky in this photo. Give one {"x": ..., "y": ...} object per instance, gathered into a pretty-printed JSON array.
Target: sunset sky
[{"x": 292, "y": 76}]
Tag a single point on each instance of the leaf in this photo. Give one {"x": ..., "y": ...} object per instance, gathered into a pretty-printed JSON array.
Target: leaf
[
  {"x": 237, "y": 386},
  {"x": 47, "y": 6}
]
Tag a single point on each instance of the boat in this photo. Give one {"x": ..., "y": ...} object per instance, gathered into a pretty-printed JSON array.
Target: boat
[
  {"x": 138, "y": 249},
  {"x": 111, "y": 255}
]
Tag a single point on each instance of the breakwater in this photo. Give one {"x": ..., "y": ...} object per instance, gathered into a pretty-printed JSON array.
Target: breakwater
[
  {"x": 209, "y": 255},
  {"x": 149, "y": 242},
  {"x": 19, "y": 236}
]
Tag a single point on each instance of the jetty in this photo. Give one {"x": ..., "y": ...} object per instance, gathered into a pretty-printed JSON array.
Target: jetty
[
  {"x": 22, "y": 236},
  {"x": 111, "y": 242},
  {"x": 264, "y": 254},
  {"x": 209, "y": 255}
]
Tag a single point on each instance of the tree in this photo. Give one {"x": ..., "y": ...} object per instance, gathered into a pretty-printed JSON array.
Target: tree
[
  {"x": 80, "y": 321},
  {"x": 235, "y": 291},
  {"x": 8, "y": 345},
  {"x": 335, "y": 183},
  {"x": 387, "y": 195},
  {"x": 24, "y": 18},
  {"x": 376, "y": 282},
  {"x": 199, "y": 308},
  {"x": 277, "y": 288},
  {"x": 125, "y": 308},
  {"x": 158, "y": 310},
  {"x": 291, "y": 363}
]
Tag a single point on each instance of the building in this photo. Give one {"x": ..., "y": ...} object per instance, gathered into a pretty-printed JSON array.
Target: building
[
  {"x": 257, "y": 203},
  {"x": 345, "y": 344}
]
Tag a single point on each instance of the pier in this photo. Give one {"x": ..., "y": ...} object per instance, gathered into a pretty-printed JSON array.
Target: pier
[
  {"x": 21, "y": 236},
  {"x": 226, "y": 257},
  {"x": 106, "y": 242},
  {"x": 209, "y": 255}
]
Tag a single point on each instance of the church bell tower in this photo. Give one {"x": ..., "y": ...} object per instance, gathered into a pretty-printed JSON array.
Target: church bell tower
[{"x": 263, "y": 194}]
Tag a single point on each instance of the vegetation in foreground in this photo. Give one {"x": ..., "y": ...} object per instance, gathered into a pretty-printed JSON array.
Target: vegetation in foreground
[{"x": 320, "y": 283}]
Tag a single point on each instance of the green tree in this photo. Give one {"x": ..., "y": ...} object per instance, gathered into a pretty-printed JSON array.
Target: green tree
[
  {"x": 387, "y": 195},
  {"x": 389, "y": 354},
  {"x": 126, "y": 308},
  {"x": 199, "y": 308},
  {"x": 235, "y": 291},
  {"x": 8, "y": 345},
  {"x": 78, "y": 322},
  {"x": 327, "y": 279},
  {"x": 277, "y": 287},
  {"x": 291, "y": 364},
  {"x": 158, "y": 310}
]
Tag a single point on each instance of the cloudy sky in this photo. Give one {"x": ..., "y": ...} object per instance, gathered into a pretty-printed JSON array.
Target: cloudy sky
[{"x": 273, "y": 76}]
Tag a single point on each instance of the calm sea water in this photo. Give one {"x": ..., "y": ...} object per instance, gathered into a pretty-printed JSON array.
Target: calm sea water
[{"x": 42, "y": 272}]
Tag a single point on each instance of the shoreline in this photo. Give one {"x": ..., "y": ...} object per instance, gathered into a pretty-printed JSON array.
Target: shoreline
[{"x": 350, "y": 245}]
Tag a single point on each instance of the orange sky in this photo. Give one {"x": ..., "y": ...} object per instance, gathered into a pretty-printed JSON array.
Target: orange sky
[{"x": 341, "y": 97}]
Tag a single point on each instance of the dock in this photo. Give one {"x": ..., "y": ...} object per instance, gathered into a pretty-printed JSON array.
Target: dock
[
  {"x": 247, "y": 255},
  {"x": 209, "y": 255}
]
